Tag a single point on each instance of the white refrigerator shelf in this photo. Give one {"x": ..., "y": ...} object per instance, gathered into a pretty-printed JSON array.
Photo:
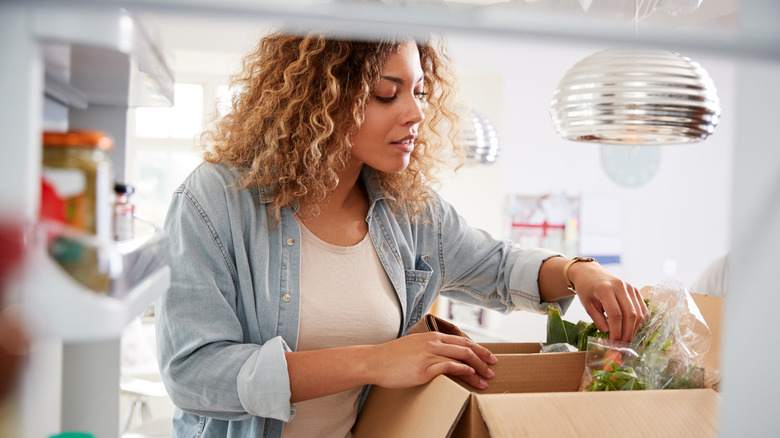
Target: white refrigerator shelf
[{"x": 58, "y": 306}]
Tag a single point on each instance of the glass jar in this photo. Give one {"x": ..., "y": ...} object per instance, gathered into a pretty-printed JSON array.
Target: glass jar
[
  {"x": 123, "y": 212},
  {"x": 77, "y": 167},
  {"x": 77, "y": 191}
]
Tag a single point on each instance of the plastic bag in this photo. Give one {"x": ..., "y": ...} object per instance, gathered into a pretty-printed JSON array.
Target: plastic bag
[
  {"x": 610, "y": 367},
  {"x": 617, "y": 366},
  {"x": 664, "y": 353},
  {"x": 675, "y": 325},
  {"x": 561, "y": 347}
]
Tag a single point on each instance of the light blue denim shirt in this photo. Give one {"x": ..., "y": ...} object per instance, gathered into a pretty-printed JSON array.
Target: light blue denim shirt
[{"x": 233, "y": 306}]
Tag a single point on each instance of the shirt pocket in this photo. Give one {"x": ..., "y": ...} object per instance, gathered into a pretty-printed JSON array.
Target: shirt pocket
[{"x": 416, "y": 283}]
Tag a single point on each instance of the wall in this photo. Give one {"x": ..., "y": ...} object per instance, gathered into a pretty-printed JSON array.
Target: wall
[{"x": 672, "y": 226}]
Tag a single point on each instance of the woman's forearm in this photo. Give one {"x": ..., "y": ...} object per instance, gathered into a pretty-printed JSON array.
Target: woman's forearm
[
  {"x": 552, "y": 284},
  {"x": 404, "y": 362},
  {"x": 318, "y": 373}
]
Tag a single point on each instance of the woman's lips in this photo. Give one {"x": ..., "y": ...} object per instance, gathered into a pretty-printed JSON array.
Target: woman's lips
[{"x": 406, "y": 144}]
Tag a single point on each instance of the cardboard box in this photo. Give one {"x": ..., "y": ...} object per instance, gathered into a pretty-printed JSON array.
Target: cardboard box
[
  {"x": 711, "y": 309},
  {"x": 536, "y": 394}
]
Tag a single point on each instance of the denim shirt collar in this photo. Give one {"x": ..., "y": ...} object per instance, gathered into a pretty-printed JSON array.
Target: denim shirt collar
[
  {"x": 370, "y": 180},
  {"x": 372, "y": 184}
]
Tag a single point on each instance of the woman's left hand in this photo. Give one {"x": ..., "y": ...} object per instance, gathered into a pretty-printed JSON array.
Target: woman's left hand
[{"x": 613, "y": 304}]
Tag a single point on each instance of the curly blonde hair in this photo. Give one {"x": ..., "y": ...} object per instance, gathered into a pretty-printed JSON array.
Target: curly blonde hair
[{"x": 300, "y": 100}]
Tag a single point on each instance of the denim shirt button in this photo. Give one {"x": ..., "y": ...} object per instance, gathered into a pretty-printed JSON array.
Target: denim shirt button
[
  {"x": 290, "y": 241},
  {"x": 286, "y": 297}
]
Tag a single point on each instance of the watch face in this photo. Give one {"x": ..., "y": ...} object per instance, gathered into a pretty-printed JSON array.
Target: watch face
[{"x": 630, "y": 166}]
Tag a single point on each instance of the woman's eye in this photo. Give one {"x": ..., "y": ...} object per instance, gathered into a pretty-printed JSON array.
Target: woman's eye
[
  {"x": 420, "y": 95},
  {"x": 385, "y": 99},
  {"x": 417, "y": 95}
]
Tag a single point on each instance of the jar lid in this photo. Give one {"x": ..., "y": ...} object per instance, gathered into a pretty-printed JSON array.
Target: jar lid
[
  {"x": 88, "y": 138},
  {"x": 120, "y": 188}
]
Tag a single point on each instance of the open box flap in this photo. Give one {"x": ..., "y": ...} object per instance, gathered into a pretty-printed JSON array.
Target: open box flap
[
  {"x": 548, "y": 372},
  {"x": 512, "y": 347},
  {"x": 711, "y": 309},
  {"x": 659, "y": 413},
  {"x": 430, "y": 410}
]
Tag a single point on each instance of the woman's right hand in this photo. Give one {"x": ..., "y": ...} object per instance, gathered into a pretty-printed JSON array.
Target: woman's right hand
[{"x": 417, "y": 358}]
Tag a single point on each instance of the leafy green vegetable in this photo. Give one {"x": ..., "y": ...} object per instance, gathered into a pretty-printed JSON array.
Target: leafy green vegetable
[
  {"x": 615, "y": 379},
  {"x": 590, "y": 332},
  {"x": 556, "y": 330},
  {"x": 560, "y": 331},
  {"x": 688, "y": 380},
  {"x": 575, "y": 332}
]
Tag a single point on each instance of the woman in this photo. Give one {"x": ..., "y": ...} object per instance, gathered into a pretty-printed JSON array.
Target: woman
[{"x": 309, "y": 243}]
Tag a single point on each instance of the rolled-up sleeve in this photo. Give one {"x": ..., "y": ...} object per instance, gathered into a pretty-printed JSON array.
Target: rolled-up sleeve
[
  {"x": 524, "y": 281},
  {"x": 263, "y": 382}
]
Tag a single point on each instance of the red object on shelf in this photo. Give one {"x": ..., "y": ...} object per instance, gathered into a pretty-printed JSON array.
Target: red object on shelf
[
  {"x": 11, "y": 249},
  {"x": 14, "y": 341},
  {"x": 544, "y": 226},
  {"x": 52, "y": 204}
]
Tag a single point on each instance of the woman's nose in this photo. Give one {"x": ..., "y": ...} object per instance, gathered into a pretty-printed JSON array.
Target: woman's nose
[{"x": 413, "y": 113}]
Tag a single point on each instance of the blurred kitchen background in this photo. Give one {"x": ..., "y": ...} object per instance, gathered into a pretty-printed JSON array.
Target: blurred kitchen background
[{"x": 667, "y": 228}]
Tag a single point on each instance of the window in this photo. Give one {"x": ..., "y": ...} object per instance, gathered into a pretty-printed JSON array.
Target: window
[
  {"x": 162, "y": 146},
  {"x": 183, "y": 120},
  {"x": 225, "y": 96}
]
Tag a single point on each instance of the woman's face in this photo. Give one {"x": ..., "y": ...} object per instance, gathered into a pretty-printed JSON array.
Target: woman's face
[{"x": 393, "y": 113}]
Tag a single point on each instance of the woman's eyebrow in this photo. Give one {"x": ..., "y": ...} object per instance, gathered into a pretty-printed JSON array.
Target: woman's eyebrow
[{"x": 398, "y": 80}]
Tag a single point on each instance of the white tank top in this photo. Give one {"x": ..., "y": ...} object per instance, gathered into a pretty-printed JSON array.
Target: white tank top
[{"x": 346, "y": 299}]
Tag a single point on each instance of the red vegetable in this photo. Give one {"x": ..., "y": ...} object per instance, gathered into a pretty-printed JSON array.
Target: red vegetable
[{"x": 613, "y": 359}]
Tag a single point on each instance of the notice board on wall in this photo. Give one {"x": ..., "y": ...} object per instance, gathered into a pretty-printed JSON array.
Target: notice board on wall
[{"x": 546, "y": 221}]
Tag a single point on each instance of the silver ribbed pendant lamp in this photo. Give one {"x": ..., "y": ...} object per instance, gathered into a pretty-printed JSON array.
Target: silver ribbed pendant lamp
[
  {"x": 638, "y": 97},
  {"x": 480, "y": 139}
]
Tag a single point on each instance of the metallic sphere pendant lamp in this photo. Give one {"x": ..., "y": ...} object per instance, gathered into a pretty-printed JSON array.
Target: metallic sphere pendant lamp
[
  {"x": 479, "y": 137},
  {"x": 637, "y": 97}
]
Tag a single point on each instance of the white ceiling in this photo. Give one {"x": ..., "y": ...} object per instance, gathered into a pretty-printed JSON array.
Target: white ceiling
[{"x": 234, "y": 33}]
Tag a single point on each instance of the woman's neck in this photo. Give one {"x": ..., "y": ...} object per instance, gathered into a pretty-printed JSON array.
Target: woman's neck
[
  {"x": 348, "y": 192},
  {"x": 342, "y": 217}
]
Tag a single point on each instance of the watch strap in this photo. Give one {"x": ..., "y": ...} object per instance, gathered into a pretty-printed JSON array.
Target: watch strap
[{"x": 574, "y": 260}]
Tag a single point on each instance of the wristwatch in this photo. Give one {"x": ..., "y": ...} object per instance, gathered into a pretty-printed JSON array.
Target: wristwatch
[{"x": 574, "y": 260}]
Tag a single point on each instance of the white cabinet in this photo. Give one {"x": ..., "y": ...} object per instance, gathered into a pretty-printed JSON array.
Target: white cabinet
[{"x": 70, "y": 65}]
